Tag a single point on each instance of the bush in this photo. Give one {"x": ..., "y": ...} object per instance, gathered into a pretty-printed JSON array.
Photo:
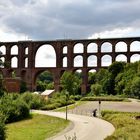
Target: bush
[
  {"x": 2, "y": 127},
  {"x": 109, "y": 98},
  {"x": 33, "y": 100},
  {"x": 125, "y": 123},
  {"x": 96, "y": 89},
  {"x": 13, "y": 109}
]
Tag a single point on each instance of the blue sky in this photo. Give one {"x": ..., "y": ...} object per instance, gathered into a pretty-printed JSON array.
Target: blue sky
[{"x": 58, "y": 19}]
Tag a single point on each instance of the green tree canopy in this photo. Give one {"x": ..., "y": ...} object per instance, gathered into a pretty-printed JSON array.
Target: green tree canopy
[{"x": 70, "y": 82}]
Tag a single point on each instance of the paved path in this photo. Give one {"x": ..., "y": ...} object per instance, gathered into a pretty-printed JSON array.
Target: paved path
[
  {"x": 87, "y": 108},
  {"x": 84, "y": 127}
]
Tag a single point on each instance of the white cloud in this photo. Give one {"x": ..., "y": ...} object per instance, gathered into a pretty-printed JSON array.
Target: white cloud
[
  {"x": 117, "y": 32},
  {"x": 9, "y": 36}
]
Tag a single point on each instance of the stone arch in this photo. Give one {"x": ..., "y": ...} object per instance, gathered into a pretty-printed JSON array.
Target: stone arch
[
  {"x": 91, "y": 78},
  {"x": 14, "y": 62},
  {"x": 106, "y": 60},
  {"x": 92, "y": 70},
  {"x": 121, "y": 47},
  {"x": 92, "y": 48},
  {"x": 65, "y": 49},
  {"x": 135, "y": 57},
  {"x": 78, "y": 48},
  {"x": 135, "y": 46},
  {"x": 106, "y": 47},
  {"x": 121, "y": 57},
  {"x": 38, "y": 73},
  {"x": 65, "y": 62},
  {"x": 92, "y": 61},
  {"x": 26, "y": 50},
  {"x": 14, "y": 50},
  {"x": 45, "y": 56},
  {"x": 3, "y": 50},
  {"x": 78, "y": 61}
]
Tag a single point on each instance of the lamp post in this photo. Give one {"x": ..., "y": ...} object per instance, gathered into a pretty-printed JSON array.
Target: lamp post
[
  {"x": 67, "y": 95},
  {"x": 99, "y": 107}
]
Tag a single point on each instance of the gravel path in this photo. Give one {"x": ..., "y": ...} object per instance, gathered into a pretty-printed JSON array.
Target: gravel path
[{"x": 83, "y": 128}]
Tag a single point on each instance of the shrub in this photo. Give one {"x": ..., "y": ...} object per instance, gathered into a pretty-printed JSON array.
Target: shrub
[
  {"x": 109, "y": 98},
  {"x": 13, "y": 109},
  {"x": 33, "y": 100},
  {"x": 96, "y": 89},
  {"x": 2, "y": 127}
]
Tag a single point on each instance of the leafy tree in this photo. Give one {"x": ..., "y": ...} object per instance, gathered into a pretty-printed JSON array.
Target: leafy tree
[
  {"x": 133, "y": 88},
  {"x": 70, "y": 82},
  {"x": 92, "y": 78},
  {"x": 100, "y": 75},
  {"x": 45, "y": 77},
  {"x": 96, "y": 89}
]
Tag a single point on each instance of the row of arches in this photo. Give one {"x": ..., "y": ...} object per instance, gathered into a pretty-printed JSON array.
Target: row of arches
[
  {"x": 46, "y": 55},
  {"x": 14, "y": 62},
  {"x": 79, "y": 48},
  {"x": 105, "y": 47},
  {"x": 13, "y": 50},
  {"x": 49, "y": 60},
  {"x": 106, "y": 60}
]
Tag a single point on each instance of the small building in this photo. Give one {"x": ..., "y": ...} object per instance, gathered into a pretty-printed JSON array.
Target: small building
[{"x": 47, "y": 93}]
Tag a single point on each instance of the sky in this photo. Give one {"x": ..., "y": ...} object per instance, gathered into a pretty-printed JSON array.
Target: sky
[
  {"x": 68, "y": 19},
  {"x": 74, "y": 19}
]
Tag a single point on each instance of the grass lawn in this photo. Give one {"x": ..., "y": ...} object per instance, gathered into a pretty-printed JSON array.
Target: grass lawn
[
  {"x": 72, "y": 106},
  {"x": 127, "y": 127},
  {"x": 38, "y": 127}
]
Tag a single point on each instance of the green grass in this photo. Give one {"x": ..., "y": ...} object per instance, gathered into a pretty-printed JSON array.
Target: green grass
[
  {"x": 104, "y": 98},
  {"x": 72, "y": 106},
  {"x": 38, "y": 127},
  {"x": 126, "y": 126}
]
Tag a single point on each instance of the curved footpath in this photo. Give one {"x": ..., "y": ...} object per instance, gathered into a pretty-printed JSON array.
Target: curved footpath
[{"x": 83, "y": 127}]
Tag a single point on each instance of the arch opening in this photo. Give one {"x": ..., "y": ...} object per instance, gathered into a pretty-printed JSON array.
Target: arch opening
[
  {"x": 2, "y": 61},
  {"x": 91, "y": 77},
  {"x": 26, "y": 50},
  {"x": 78, "y": 48},
  {"x": 92, "y": 61},
  {"x": 106, "y": 47},
  {"x": 121, "y": 47},
  {"x": 121, "y": 57},
  {"x": 135, "y": 57},
  {"x": 92, "y": 48},
  {"x": 135, "y": 46},
  {"x": 106, "y": 60},
  {"x": 14, "y": 50},
  {"x": 78, "y": 61},
  {"x": 26, "y": 62},
  {"x": 65, "y": 50},
  {"x": 65, "y": 63},
  {"x": 14, "y": 62},
  {"x": 44, "y": 81},
  {"x": 3, "y": 50},
  {"x": 45, "y": 56}
]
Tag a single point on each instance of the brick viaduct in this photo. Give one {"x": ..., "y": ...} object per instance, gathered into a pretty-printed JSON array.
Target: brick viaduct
[{"x": 93, "y": 54}]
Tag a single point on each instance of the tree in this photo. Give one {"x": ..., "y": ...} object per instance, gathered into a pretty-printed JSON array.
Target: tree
[
  {"x": 70, "y": 83},
  {"x": 96, "y": 89},
  {"x": 133, "y": 88}
]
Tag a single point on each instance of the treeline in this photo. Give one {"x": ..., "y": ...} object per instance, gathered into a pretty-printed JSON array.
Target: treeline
[{"x": 119, "y": 79}]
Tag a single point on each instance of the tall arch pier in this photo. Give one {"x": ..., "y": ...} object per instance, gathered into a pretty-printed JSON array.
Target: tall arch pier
[{"x": 70, "y": 55}]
